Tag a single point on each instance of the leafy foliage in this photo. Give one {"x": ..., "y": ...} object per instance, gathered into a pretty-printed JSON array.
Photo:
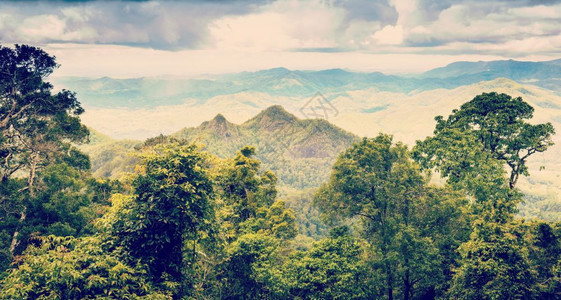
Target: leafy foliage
[
  {"x": 334, "y": 268},
  {"x": 34, "y": 124},
  {"x": 36, "y": 129},
  {"x": 471, "y": 149},
  {"x": 75, "y": 268},
  {"x": 490, "y": 124},
  {"x": 248, "y": 271},
  {"x": 171, "y": 205},
  {"x": 378, "y": 182},
  {"x": 495, "y": 265}
]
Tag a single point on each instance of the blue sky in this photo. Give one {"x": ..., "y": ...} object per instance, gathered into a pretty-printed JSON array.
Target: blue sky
[{"x": 151, "y": 38}]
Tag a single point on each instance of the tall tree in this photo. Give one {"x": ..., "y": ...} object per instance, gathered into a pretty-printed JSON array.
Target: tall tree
[
  {"x": 377, "y": 181},
  {"x": 244, "y": 187},
  {"x": 36, "y": 126},
  {"x": 34, "y": 123},
  {"x": 255, "y": 227},
  {"x": 247, "y": 199},
  {"x": 471, "y": 149},
  {"x": 498, "y": 124},
  {"x": 168, "y": 215}
]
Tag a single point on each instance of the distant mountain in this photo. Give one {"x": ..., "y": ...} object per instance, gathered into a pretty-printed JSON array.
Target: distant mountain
[
  {"x": 301, "y": 151},
  {"x": 499, "y": 68},
  {"x": 545, "y": 74},
  {"x": 154, "y": 92},
  {"x": 161, "y": 91}
]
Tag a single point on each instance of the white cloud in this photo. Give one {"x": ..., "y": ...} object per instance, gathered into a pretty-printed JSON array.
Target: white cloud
[
  {"x": 360, "y": 34},
  {"x": 234, "y": 35},
  {"x": 282, "y": 25},
  {"x": 407, "y": 11},
  {"x": 536, "y": 12},
  {"x": 42, "y": 26},
  {"x": 389, "y": 35},
  {"x": 407, "y": 17},
  {"x": 77, "y": 14}
]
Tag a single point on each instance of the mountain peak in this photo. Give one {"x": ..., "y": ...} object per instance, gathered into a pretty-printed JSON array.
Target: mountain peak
[
  {"x": 274, "y": 117},
  {"x": 280, "y": 69},
  {"x": 277, "y": 112},
  {"x": 220, "y": 126},
  {"x": 219, "y": 118},
  {"x": 333, "y": 72},
  {"x": 274, "y": 72},
  {"x": 276, "y": 109}
]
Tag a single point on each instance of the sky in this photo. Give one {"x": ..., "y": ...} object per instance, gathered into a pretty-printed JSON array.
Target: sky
[{"x": 189, "y": 38}]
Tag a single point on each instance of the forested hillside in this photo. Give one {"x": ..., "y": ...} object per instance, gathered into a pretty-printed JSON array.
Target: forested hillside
[
  {"x": 198, "y": 214},
  {"x": 300, "y": 152}
]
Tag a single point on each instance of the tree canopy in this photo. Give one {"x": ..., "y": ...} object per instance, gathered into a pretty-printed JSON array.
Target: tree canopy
[
  {"x": 37, "y": 128},
  {"x": 490, "y": 124},
  {"x": 378, "y": 182}
]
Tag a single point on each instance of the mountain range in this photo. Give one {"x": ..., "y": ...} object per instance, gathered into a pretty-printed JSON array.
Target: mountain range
[{"x": 150, "y": 92}]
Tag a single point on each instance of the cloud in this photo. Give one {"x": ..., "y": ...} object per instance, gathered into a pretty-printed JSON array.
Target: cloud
[
  {"x": 368, "y": 10},
  {"x": 389, "y": 35},
  {"x": 485, "y": 23},
  {"x": 155, "y": 24},
  {"x": 283, "y": 25},
  {"x": 496, "y": 27}
]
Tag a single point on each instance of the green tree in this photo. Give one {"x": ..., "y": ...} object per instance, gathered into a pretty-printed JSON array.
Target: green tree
[
  {"x": 247, "y": 199},
  {"x": 378, "y": 182},
  {"x": 495, "y": 265},
  {"x": 249, "y": 271},
  {"x": 254, "y": 227},
  {"x": 497, "y": 123},
  {"x": 474, "y": 144},
  {"x": 75, "y": 268},
  {"x": 243, "y": 188},
  {"x": 545, "y": 256},
  {"x": 334, "y": 268},
  {"x": 169, "y": 214},
  {"x": 65, "y": 204},
  {"x": 471, "y": 149},
  {"x": 275, "y": 220},
  {"x": 36, "y": 126}
]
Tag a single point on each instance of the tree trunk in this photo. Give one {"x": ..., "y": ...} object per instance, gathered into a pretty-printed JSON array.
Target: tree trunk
[
  {"x": 15, "y": 242},
  {"x": 406, "y": 286},
  {"x": 32, "y": 173},
  {"x": 389, "y": 281}
]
